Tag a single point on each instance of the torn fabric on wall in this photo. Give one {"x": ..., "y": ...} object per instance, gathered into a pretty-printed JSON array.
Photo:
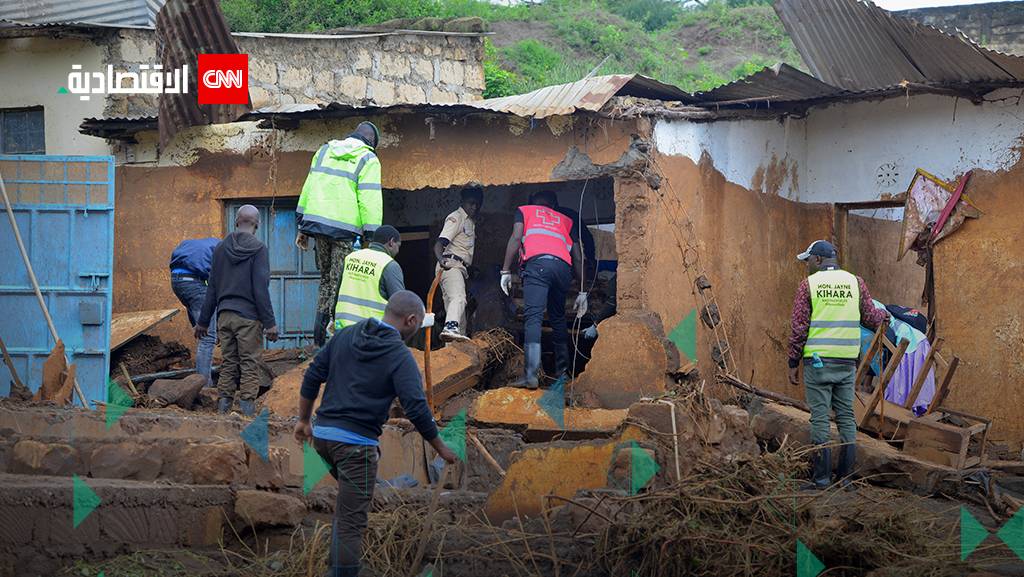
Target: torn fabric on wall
[{"x": 927, "y": 201}]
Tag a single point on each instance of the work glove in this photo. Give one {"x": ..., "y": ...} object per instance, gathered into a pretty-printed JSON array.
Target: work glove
[
  {"x": 428, "y": 321},
  {"x": 506, "y": 282},
  {"x": 590, "y": 333},
  {"x": 581, "y": 305}
]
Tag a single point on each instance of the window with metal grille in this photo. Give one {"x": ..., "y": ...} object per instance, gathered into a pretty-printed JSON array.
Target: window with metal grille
[{"x": 21, "y": 131}]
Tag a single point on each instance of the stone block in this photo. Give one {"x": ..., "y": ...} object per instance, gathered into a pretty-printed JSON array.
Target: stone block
[
  {"x": 164, "y": 526},
  {"x": 394, "y": 65},
  {"x": 380, "y": 92},
  {"x": 124, "y": 524},
  {"x": 361, "y": 60},
  {"x": 208, "y": 464},
  {"x": 510, "y": 406},
  {"x": 264, "y": 509},
  {"x": 269, "y": 474},
  {"x": 351, "y": 88},
  {"x": 137, "y": 47},
  {"x": 205, "y": 527},
  {"x": 441, "y": 96},
  {"x": 323, "y": 83},
  {"x": 35, "y": 458},
  {"x": 126, "y": 461},
  {"x": 453, "y": 73},
  {"x": 629, "y": 461},
  {"x": 409, "y": 93},
  {"x": 422, "y": 68},
  {"x": 262, "y": 71},
  {"x": 296, "y": 78},
  {"x": 475, "y": 78},
  {"x": 631, "y": 359}
]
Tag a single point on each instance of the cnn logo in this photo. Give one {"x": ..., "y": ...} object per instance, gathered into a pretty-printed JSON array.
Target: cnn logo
[{"x": 223, "y": 78}]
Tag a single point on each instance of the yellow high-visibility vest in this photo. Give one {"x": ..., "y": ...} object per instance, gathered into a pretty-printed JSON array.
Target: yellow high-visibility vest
[
  {"x": 359, "y": 296},
  {"x": 835, "y": 315},
  {"x": 342, "y": 193}
]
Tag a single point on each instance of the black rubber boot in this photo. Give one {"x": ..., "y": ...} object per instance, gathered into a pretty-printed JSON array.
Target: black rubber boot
[
  {"x": 532, "y": 377},
  {"x": 821, "y": 470},
  {"x": 223, "y": 405},
  {"x": 248, "y": 408},
  {"x": 844, "y": 470},
  {"x": 561, "y": 361},
  {"x": 320, "y": 329}
]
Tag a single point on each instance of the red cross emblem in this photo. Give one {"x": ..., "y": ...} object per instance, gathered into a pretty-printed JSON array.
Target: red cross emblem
[{"x": 548, "y": 217}]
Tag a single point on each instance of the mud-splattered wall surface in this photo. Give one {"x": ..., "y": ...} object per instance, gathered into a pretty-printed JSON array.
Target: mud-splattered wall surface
[
  {"x": 871, "y": 248},
  {"x": 182, "y": 193}
]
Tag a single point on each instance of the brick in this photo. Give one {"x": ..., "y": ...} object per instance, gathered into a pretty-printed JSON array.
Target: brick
[
  {"x": 262, "y": 71},
  {"x": 408, "y": 93},
  {"x": 126, "y": 461},
  {"x": 33, "y": 457},
  {"x": 264, "y": 509},
  {"x": 380, "y": 92},
  {"x": 296, "y": 78}
]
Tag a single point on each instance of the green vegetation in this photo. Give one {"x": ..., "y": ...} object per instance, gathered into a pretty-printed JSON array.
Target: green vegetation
[{"x": 693, "y": 46}]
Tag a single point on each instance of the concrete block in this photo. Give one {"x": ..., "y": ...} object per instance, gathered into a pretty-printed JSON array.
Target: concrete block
[
  {"x": 35, "y": 458},
  {"x": 264, "y": 509},
  {"x": 126, "y": 461},
  {"x": 262, "y": 70},
  {"x": 631, "y": 359},
  {"x": 296, "y": 78},
  {"x": 380, "y": 92},
  {"x": 452, "y": 72}
]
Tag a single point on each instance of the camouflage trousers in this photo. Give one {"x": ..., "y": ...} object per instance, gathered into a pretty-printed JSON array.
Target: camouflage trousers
[{"x": 330, "y": 260}]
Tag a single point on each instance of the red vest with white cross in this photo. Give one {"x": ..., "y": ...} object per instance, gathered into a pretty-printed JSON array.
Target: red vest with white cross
[{"x": 546, "y": 231}]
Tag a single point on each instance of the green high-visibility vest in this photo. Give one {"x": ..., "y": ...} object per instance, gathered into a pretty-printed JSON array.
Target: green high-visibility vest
[
  {"x": 359, "y": 297},
  {"x": 835, "y": 315},
  {"x": 342, "y": 192}
]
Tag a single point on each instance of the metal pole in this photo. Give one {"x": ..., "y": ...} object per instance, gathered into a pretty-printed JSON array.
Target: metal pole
[{"x": 35, "y": 283}]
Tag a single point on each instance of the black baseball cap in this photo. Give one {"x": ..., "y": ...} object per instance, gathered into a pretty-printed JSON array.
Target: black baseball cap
[{"x": 822, "y": 248}]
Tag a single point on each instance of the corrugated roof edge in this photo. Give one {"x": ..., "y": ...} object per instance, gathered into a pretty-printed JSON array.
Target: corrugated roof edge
[{"x": 14, "y": 24}]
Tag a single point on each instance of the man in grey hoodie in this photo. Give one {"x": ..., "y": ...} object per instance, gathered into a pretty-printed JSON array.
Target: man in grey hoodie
[{"x": 239, "y": 289}]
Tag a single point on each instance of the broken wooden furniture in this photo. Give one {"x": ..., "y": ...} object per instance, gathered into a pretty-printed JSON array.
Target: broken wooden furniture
[{"x": 948, "y": 437}]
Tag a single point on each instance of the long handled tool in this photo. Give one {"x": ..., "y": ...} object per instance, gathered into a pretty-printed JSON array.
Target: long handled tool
[
  {"x": 428, "y": 380},
  {"x": 35, "y": 283},
  {"x": 428, "y": 526}
]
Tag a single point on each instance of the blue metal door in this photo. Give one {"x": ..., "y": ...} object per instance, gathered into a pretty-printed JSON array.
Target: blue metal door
[
  {"x": 64, "y": 207},
  {"x": 294, "y": 278}
]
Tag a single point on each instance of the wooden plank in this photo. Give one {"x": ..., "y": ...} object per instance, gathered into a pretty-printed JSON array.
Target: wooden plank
[
  {"x": 943, "y": 390},
  {"x": 894, "y": 423},
  {"x": 886, "y": 375},
  {"x": 929, "y": 360},
  {"x": 872, "y": 351},
  {"x": 10, "y": 366},
  {"x": 126, "y": 326}
]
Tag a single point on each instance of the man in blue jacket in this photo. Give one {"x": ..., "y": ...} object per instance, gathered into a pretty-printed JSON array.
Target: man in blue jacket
[
  {"x": 190, "y": 269},
  {"x": 365, "y": 366}
]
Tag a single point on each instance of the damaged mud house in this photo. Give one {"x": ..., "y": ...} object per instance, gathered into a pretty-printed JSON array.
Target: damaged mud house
[{"x": 678, "y": 446}]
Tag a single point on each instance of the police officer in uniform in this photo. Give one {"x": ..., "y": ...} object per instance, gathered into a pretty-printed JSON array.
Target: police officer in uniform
[
  {"x": 830, "y": 306},
  {"x": 542, "y": 238},
  {"x": 371, "y": 276}
]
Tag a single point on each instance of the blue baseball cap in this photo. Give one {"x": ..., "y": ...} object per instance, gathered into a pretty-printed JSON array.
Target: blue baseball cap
[{"x": 822, "y": 248}]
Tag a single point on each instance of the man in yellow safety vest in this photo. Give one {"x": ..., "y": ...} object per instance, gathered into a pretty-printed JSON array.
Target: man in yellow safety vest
[
  {"x": 371, "y": 276},
  {"x": 830, "y": 306}
]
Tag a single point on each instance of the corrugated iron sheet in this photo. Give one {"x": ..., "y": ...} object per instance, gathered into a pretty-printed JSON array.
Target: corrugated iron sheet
[
  {"x": 186, "y": 28},
  {"x": 115, "y": 12},
  {"x": 855, "y": 45},
  {"x": 779, "y": 83}
]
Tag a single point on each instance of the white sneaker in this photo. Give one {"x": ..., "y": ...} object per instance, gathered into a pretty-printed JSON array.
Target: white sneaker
[{"x": 451, "y": 332}]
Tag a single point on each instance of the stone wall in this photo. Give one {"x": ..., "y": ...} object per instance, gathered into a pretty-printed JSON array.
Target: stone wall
[
  {"x": 996, "y": 25},
  {"x": 373, "y": 70}
]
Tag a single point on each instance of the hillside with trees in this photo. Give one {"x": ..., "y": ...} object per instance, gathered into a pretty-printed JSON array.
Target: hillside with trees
[{"x": 693, "y": 45}]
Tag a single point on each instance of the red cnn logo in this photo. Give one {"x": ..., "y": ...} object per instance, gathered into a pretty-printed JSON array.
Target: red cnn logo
[{"x": 223, "y": 78}]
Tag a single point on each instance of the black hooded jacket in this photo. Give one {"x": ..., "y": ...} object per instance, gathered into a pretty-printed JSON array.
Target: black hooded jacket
[
  {"x": 365, "y": 367},
  {"x": 240, "y": 280}
]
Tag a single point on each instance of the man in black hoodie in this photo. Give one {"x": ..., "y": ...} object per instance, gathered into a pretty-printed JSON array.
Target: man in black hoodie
[
  {"x": 365, "y": 366},
  {"x": 239, "y": 289}
]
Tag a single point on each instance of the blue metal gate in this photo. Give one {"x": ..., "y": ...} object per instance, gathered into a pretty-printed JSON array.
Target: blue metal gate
[
  {"x": 64, "y": 207},
  {"x": 294, "y": 278}
]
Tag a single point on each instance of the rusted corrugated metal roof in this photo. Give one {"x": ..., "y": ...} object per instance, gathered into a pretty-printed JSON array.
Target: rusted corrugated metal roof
[
  {"x": 589, "y": 94},
  {"x": 779, "y": 83},
  {"x": 855, "y": 45},
  {"x": 186, "y": 28},
  {"x": 114, "y": 12}
]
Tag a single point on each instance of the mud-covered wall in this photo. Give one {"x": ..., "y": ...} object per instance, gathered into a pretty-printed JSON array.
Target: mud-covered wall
[
  {"x": 748, "y": 241},
  {"x": 872, "y": 244},
  {"x": 979, "y": 287},
  {"x": 159, "y": 205}
]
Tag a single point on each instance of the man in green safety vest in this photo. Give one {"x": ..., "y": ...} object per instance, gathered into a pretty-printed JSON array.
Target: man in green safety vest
[
  {"x": 371, "y": 276},
  {"x": 830, "y": 306},
  {"x": 340, "y": 201}
]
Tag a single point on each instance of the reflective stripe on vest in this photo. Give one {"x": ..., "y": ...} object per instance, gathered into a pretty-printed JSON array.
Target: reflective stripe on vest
[
  {"x": 546, "y": 231},
  {"x": 359, "y": 297},
  {"x": 330, "y": 193},
  {"x": 835, "y": 315}
]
